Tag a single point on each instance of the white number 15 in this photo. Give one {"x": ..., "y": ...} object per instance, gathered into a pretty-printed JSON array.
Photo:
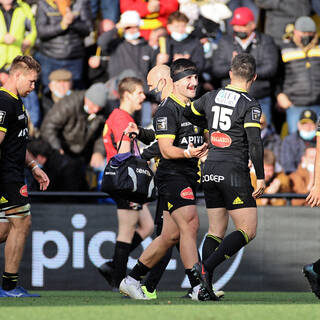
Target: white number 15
[{"x": 221, "y": 118}]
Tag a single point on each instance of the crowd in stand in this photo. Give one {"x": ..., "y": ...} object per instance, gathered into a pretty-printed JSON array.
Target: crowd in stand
[{"x": 86, "y": 47}]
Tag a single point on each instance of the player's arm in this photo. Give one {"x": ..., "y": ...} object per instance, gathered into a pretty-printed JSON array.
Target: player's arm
[
  {"x": 313, "y": 199},
  {"x": 37, "y": 172},
  {"x": 194, "y": 112},
  {"x": 252, "y": 127}
]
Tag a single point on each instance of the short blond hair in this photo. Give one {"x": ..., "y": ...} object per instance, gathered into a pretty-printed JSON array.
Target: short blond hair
[{"x": 24, "y": 63}]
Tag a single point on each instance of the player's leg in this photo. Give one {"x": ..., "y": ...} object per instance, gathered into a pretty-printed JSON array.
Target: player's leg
[{"x": 4, "y": 227}]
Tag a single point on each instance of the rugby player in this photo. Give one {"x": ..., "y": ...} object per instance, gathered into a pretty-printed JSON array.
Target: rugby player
[
  {"x": 15, "y": 215},
  {"x": 181, "y": 145},
  {"x": 312, "y": 271},
  {"x": 233, "y": 118}
]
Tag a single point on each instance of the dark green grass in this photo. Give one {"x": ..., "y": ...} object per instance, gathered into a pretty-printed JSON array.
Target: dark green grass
[{"x": 87, "y": 305}]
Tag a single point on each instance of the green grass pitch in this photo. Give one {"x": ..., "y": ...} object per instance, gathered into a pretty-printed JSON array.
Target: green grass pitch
[{"x": 105, "y": 305}]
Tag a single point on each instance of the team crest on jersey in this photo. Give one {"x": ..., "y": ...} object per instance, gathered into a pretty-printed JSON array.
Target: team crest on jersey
[
  {"x": 256, "y": 114},
  {"x": 2, "y": 116},
  {"x": 187, "y": 193},
  {"x": 24, "y": 191},
  {"x": 220, "y": 139},
  {"x": 162, "y": 124},
  {"x": 195, "y": 129}
]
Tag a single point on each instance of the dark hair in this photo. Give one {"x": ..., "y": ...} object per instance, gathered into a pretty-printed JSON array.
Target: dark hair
[
  {"x": 39, "y": 147},
  {"x": 177, "y": 16},
  {"x": 128, "y": 84},
  {"x": 243, "y": 65},
  {"x": 25, "y": 63},
  {"x": 181, "y": 65}
]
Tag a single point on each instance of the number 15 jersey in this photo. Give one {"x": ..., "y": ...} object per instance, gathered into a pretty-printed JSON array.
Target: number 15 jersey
[{"x": 228, "y": 112}]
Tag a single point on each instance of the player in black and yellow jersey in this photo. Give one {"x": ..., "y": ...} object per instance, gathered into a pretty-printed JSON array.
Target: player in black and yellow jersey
[
  {"x": 15, "y": 219},
  {"x": 181, "y": 145},
  {"x": 233, "y": 119}
]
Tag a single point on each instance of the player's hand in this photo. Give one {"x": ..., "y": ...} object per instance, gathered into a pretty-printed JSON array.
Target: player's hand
[
  {"x": 313, "y": 198},
  {"x": 41, "y": 178},
  {"x": 258, "y": 192},
  {"x": 132, "y": 127},
  {"x": 198, "y": 152}
]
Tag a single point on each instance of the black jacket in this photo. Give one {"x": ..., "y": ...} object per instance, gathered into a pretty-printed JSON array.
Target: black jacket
[
  {"x": 264, "y": 51},
  {"x": 56, "y": 42}
]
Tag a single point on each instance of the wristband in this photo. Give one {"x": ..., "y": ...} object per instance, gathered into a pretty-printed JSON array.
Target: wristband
[
  {"x": 187, "y": 153},
  {"x": 35, "y": 167}
]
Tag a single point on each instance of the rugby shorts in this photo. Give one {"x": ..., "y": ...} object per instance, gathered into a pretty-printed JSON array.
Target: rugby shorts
[
  {"x": 176, "y": 191},
  {"x": 227, "y": 185},
  {"x": 126, "y": 205}
]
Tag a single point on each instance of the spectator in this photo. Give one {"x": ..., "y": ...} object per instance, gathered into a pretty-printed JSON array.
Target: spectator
[
  {"x": 60, "y": 85},
  {"x": 61, "y": 34},
  {"x": 300, "y": 80},
  {"x": 65, "y": 173},
  {"x": 302, "y": 178},
  {"x": 74, "y": 125},
  {"x": 246, "y": 39},
  {"x": 180, "y": 44},
  {"x": 275, "y": 182},
  {"x": 17, "y": 30},
  {"x": 294, "y": 145},
  {"x": 127, "y": 52},
  {"x": 281, "y": 13},
  {"x": 154, "y": 13},
  {"x": 270, "y": 139},
  {"x": 110, "y": 10}
]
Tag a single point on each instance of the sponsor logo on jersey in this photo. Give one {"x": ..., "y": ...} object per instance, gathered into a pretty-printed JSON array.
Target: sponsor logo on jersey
[
  {"x": 170, "y": 205},
  {"x": 220, "y": 139},
  {"x": 237, "y": 200},
  {"x": 196, "y": 140},
  {"x": 2, "y": 116},
  {"x": 228, "y": 98},
  {"x": 162, "y": 124},
  {"x": 21, "y": 116},
  {"x": 185, "y": 124},
  {"x": 256, "y": 113},
  {"x": 3, "y": 200},
  {"x": 187, "y": 193},
  {"x": 24, "y": 191},
  {"x": 212, "y": 177},
  {"x": 23, "y": 132}
]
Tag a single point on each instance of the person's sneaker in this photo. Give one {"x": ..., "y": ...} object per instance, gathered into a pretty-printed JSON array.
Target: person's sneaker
[
  {"x": 132, "y": 288},
  {"x": 106, "y": 270},
  {"x": 202, "y": 275},
  {"x": 151, "y": 295},
  {"x": 188, "y": 295},
  {"x": 18, "y": 292},
  {"x": 313, "y": 278}
]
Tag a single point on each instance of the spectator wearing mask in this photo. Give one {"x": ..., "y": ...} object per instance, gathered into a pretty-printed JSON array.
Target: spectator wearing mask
[
  {"x": 154, "y": 13},
  {"x": 60, "y": 85},
  {"x": 299, "y": 84},
  {"x": 246, "y": 39},
  {"x": 302, "y": 178},
  {"x": 179, "y": 44},
  {"x": 276, "y": 182},
  {"x": 294, "y": 145},
  {"x": 61, "y": 31},
  {"x": 130, "y": 51},
  {"x": 74, "y": 125}
]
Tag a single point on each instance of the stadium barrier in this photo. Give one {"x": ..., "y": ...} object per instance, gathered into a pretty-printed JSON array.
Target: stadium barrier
[{"x": 73, "y": 233}]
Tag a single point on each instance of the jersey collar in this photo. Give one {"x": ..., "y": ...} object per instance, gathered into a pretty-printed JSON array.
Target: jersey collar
[
  {"x": 9, "y": 92},
  {"x": 229, "y": 86},
  {"x": 175, "y": 99}
]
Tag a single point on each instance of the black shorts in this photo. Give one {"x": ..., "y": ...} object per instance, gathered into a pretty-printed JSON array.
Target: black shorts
[
  {"x": 13, "y": 195},
  {"x": 176, "y": 191},
  {"x": 227, "y": 185},
  {"x": 126, "y": 205}
]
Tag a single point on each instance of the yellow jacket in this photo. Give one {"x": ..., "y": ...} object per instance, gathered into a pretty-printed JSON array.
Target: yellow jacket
[{"x": 22, "y": 20}]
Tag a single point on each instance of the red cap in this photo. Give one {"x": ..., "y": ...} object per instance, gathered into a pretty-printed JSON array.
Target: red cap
[{"x": 242, "y": 16}]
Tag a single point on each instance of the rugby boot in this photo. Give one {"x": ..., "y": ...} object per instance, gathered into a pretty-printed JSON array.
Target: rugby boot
[{"x": 313, "y": 278}]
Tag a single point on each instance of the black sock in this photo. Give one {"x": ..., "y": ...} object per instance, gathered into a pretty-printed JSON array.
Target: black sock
[
  {"x": 139, "y": 271},
  {"x": 157, "y": 271},
  {"x": 211, "y": 243},
  {"x": 227, "y": 248},
  {"x": 120, "y": 260},
  {"x": 192, "y": 279},
  {"x": 9, "y": 280},
  {"x": 316, "y": 266},
  {"x": 136, "y": 240}
]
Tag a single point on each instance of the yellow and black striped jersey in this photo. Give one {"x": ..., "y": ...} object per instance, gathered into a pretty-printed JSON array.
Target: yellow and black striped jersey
[
  {"x": 228, "y": 112},
  {"x": 169, "y": 122}
]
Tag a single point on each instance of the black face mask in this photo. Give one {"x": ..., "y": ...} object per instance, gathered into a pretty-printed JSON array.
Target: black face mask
[
  {"x": 155, "y": 95},
  {"x": 241, "y": 35},
  {"x": 306, "y": 40}
]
